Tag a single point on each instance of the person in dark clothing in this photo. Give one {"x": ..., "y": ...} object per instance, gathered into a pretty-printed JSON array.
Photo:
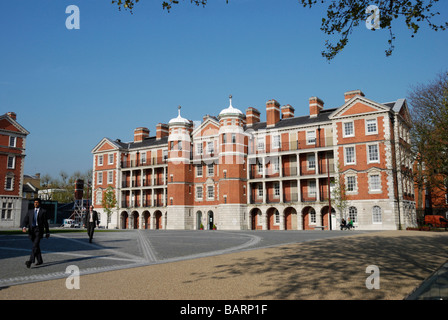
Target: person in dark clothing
[
  {"x": 36, "y": 221},
  {"x": 90, "y": 222},
  {"x": 343, "y": 224}
]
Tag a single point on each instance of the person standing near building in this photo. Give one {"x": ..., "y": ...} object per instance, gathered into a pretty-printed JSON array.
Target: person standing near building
[
  {"x": 91, "y": 221},
  {"x": 36, "y": 221}
]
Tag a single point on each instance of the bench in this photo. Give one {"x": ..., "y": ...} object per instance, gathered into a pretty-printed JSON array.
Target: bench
[{"x": 319, "y": 227}]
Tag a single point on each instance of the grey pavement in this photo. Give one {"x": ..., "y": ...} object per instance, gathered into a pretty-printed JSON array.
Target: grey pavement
[{"x": 242, "y": 264}]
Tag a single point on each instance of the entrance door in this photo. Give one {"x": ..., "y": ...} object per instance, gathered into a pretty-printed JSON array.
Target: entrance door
[
  {"x": 158, "y": 216},
  {"x": 198, "y": 220},
  {"x": 254, "y": 220},
  {"x": 210, "y": 220}
]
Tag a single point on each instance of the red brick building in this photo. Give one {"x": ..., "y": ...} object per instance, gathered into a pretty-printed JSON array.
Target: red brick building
[
  {"x": 235, "y": 172},
  {"x": 12, "y": 157}
]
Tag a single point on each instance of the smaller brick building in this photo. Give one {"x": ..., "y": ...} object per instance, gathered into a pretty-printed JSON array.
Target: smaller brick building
[{"x": 12, "y": 157}]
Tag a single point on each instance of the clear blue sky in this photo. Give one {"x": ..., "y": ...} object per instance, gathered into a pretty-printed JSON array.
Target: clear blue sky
[{"x": 71, "y": 88}]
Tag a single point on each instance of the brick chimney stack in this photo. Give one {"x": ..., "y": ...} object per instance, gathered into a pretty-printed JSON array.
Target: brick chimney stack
[
  {"x": 287, "y": 112},
  {"x": 140, "y": 134},
  {"x": 272, "y": 113},
  {"x": 316, "y": 105},
  {"x": 252, "y": 116},
  {"x": 162, "y": 131}
]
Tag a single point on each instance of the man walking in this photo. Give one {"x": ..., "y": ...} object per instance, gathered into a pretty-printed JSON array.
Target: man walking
[
  {"x": 91, "y": 221},
  {"x": 36, "y": 221}
]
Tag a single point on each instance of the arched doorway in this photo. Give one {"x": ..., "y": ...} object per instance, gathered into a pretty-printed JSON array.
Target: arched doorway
[
  {"x": 198, "y": 220},
  {"x": 146, "y": 220},
  {"x": 308, "y": 218},
  {"x": 210, "y": 220},
  {"x": 290, "y": 218},
  {"x": 135, "y": 219},
  {"x": 273, "y": 219},
  {"x": 158, "y": 217},
  {"x": 255, "y": 218},
  {"x": 326, "y": 222},
  {"x": 124, "y": 220}
]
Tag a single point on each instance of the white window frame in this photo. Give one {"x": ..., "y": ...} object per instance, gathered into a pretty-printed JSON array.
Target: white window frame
[
  {"x": 110, "y": 158},
  {"x": 275, "y": 165},
  {"x": 100, "y": 160},
  {"x": 199, "y": 148},
  {"x": 260, "y": 190},
  {"x": 369, "y": 122},
  {"x": 9, "y": 183},
  {"x": 370, "y": 153},
  {"x": 312, "y": 216},
  {"x": 7, "y": 208},
  {"x": 276, "y": 141},
  {"x": 349, "y": 180},
  {"x": 12, "y": 139},
  {"x": 311, "y": 137},
  {"x": 11, "y": 162},
  {"x": 110, "y": 177},
  {"x": 211, "y": 190},
  {"x": 346, "y": 157},
  {"x": 210, "y": 170},
  {"x": 276, "y": 190},
  {"x": 199, "y": 170},
  {"x": 210, "y": 147},
  {"x": 344, "y": 129},
  {"x": 260, "y": 143},
  {"x": 260, "y": 167},
  {"x": 100, "y": 178},
  {"x": 311, "y": 161},
  {"x": 276, "y": 217},
  {"x": 377, "y": 217},
  {"x": 99, "y": 196},
  {"x": 373, "y": 183},
  {"x": 199, "y": 193},
  {"x": 353, "y": 214}
]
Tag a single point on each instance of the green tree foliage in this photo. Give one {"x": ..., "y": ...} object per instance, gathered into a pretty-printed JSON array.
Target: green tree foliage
[
  {"x": 109, "y": 202},
  {"x": 344, "y": 15},
  {"x": 339, "y": 195}
]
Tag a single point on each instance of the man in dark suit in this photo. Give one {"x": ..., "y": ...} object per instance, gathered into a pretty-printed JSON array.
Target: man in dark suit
[
  {"x": 36, "y": 221},
  {"x": 91, "y": 221}
]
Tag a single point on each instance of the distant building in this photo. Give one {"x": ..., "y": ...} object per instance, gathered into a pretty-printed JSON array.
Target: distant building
[
  {"x": 234, "y": 172},
  {"x": 31, "y": 186},
  {"x": 12, "y": 157}
]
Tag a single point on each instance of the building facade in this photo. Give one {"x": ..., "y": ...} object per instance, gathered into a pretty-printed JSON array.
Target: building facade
[
  {"x": 12, "y": 157},
  {"x": 234, "y": 172}
]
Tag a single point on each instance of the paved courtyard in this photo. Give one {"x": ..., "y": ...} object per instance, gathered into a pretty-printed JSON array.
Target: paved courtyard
[{"x": 162, "y": 264}]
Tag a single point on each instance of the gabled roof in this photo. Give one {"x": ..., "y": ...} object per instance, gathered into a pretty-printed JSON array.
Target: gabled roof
[
  {"x": 400, "y": 107},
  {"x": 210, "y": 119},
  {"x": 118, "y": 145},
  {"x": 14, "y": 123},
  {"x": 369, "y": 105}
]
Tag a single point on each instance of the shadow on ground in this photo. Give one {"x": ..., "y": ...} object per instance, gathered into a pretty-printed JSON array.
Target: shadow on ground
[{"x": 336, "y": 268}]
